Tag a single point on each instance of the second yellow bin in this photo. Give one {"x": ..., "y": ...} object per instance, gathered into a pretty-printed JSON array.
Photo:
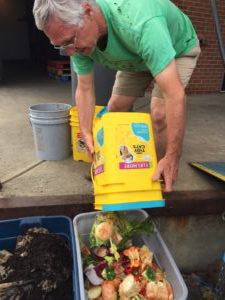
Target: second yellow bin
[{"x": 80, "y": 152}]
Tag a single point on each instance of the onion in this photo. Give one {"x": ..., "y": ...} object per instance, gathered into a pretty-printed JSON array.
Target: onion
[
  {"x": 125, "y": 261},
  {"x": 100, "y": 252},
  {"x": 100, "y": 267},
  {"x": 92, "y": 275}
]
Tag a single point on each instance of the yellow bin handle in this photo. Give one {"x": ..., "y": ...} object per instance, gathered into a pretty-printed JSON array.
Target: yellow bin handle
[
  {"x": 92, "y": 174},
  {"x": 93, "y": 179}
]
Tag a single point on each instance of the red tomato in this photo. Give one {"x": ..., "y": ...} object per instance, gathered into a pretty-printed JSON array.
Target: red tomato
[
  {"x": 137, "y": 277},
  {"x": 128, "y": 270},
  {"x": 143, "y": 291}
]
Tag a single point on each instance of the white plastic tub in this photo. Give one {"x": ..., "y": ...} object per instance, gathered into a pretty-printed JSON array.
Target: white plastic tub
[{"x": 82, "y": 226}]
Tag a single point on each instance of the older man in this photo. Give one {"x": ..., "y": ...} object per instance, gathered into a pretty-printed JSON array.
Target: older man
[{"x": 143, "y": 40}]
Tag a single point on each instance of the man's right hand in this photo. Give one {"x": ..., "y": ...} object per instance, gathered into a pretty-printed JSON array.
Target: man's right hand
[
  {"x": 85, "y": 100},
  {"x": 88, "y": 138}
]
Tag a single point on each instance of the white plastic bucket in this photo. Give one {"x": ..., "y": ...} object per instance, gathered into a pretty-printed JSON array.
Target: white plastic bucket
[{"x": 51, "y": 130}]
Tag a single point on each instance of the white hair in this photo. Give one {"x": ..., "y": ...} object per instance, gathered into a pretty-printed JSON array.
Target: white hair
[{"x": 69, "y": 11}]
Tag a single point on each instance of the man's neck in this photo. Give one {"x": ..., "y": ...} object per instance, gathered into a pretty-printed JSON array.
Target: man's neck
[{"x": 100, "y": 19}]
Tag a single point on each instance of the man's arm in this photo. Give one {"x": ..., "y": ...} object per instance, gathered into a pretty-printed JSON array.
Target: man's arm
[
  {"x": 174, "y": 95},
  {"x": 85, "y": 100}
]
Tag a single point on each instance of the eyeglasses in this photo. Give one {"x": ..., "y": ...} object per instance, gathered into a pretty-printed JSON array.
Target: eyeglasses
[{"x": 66, "y": 45}]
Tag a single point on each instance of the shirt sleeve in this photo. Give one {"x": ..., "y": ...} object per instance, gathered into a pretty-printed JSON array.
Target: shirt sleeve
[
  {"x": 155, "y": 46},
  {"x": 82, "y": 64}
]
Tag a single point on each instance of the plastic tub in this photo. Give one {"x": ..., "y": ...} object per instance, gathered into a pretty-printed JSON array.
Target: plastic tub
[
  {"x": 61, "y": 225},
  {"x": 82, "y": 226}
]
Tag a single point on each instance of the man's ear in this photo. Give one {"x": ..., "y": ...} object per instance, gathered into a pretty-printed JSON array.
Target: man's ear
[{"x": 87, "y": 8}]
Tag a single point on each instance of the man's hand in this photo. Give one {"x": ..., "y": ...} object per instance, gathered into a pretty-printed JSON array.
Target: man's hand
[
  {"x": 85, "y": 100},
  {"x": 167, "y": 170},
  {"x": 88, "y": 138}
]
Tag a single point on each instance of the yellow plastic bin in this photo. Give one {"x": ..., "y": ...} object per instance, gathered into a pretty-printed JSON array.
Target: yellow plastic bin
[
  {"x": 125, "y": 161},
  {"x": 80, "y": 152}
]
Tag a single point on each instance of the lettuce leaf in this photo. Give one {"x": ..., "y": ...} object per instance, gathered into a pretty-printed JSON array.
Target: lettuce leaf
[
  {"x": 123, "y": 226},
  {"x": 130, "y": 228}
]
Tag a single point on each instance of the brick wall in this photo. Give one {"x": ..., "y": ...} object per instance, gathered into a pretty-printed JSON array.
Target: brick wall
[{"x": 207, "y": 78}]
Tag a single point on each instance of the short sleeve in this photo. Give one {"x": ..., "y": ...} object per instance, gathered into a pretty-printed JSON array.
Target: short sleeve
[
  {"x": 155, "y": 45},
  {"x": 82, "y": 64}
]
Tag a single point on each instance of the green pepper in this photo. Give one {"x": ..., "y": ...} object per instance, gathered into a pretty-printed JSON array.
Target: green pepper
[
  {"x": 149, "y": 274},
  {"x": 108, "y": 273}
]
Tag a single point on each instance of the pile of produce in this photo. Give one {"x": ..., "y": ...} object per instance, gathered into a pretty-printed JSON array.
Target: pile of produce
[
  {"x": 114, "y": 268},
  {"x": 39, "y": 268}
]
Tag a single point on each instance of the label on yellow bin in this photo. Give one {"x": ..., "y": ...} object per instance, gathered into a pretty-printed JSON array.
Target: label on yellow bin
[{"x": 133, "y": 146}]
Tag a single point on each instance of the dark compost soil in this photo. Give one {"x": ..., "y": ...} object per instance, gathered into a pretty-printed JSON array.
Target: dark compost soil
[{"x": 39, "y": 268}]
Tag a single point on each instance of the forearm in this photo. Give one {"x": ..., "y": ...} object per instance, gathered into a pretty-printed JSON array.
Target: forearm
[
  {"x": 175, "y": 117},
  {"x": 174, "y": 96},
  {"x": 85, "y": 100}
]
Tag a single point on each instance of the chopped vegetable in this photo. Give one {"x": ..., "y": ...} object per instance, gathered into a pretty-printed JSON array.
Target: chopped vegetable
[
  {"x": 115, "y": 226},
  {"x": 84, "y": 249},
  {"x": 113, "y": 250},
  {"x": 158, "y": 290},
  {"x": 138, "y": 297},
  {"x": 128, "y": 270},
  {"x": 87, "y": 260},
  {"x": 93, "y": 240},
  {"x": 128, "y": 229},
  {"x": 133, "y": 255},
  {"x": 109, "y": 259},
  {"x": 92, "y": 275},
  {"x": 125, "y": 261},
  {"x": 129, "y": 287},
  {"x": 109, "y": 291},
  {"x": 104, "y": 231},
  {"x": 108, "y": 273},
  {"x": 135, "y": 271},
  {"x": 94, "y": 292},
  {"x": 99, "y": 267},
  {"x": 100, "y": 252},
  {"x": 149, "y": 274},
  {"x": 146, "y": 256}
]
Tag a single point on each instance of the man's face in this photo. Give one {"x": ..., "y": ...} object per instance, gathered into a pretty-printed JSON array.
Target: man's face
[{"x": 73, "y": 38}]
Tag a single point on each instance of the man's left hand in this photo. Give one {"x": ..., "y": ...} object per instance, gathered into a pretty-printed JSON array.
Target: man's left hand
[{"x": 167, "y": 170}]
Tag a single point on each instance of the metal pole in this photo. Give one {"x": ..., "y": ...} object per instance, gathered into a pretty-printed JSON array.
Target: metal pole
[{"x": 218, "y": 30}]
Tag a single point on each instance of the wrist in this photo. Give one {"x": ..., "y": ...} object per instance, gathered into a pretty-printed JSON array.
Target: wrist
[
  {"x": 174, "y": 150},
  {"x": 175, "y": 155},
  {"x": 86, "y": 133}
]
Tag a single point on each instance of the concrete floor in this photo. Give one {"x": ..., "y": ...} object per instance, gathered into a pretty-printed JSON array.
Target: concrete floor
[{"x": 23, "y": 175}]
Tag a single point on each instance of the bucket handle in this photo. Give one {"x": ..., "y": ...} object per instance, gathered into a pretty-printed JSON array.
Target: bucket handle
[
  {"x": 92, "y": 174},
  {"x": 93, "y": 178}
]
